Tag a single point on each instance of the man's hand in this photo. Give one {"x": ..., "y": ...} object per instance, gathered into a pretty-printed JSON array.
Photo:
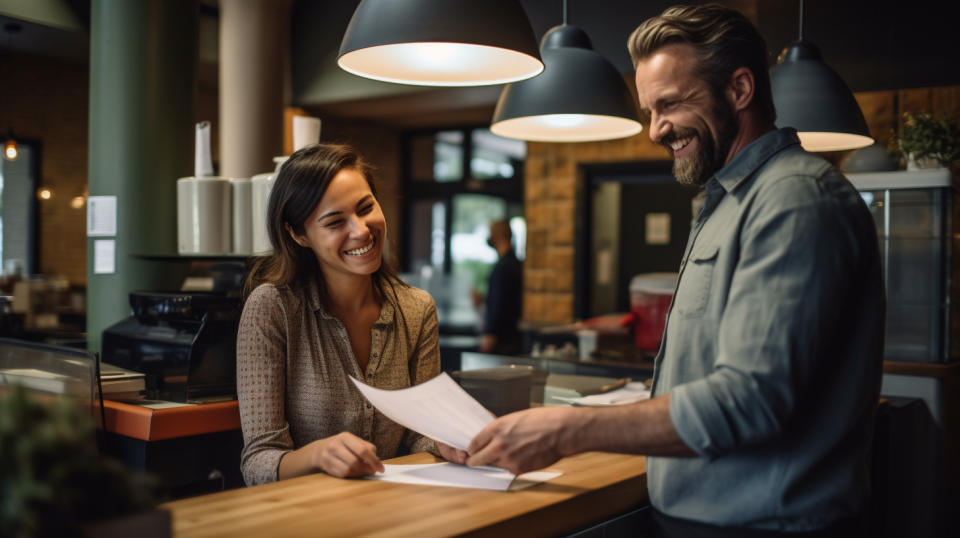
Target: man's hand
[
  {"x": 451, "y": 454},
  {"x": 345, "y": 454},
  {"x": 525, "y": 440}
]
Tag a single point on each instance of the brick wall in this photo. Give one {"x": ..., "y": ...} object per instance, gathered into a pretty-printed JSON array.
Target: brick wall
[
  {"x": 46, "y": 100},
  {"x": 553, "y": 177}
]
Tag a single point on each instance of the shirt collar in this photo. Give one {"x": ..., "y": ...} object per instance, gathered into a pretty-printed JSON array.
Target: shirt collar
[
  {"x": 752, "y": 157},
  {"x": 386, "y": 311}
]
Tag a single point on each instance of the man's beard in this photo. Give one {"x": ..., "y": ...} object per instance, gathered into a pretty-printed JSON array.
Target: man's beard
[{"x": 696, "y": 169}]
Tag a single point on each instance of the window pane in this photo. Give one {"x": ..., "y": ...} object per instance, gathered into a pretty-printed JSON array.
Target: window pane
[
  {"x": 471, "y": 256},
  {"x": 495, "y": 157},
  {"x": 518, "y": 226},
  {"x": 428, "y": 239},
  {"x": 437, "y": 157}
]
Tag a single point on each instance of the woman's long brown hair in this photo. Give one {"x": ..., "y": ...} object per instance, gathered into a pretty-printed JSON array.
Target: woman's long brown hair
[{"x": 298, "y": 188}]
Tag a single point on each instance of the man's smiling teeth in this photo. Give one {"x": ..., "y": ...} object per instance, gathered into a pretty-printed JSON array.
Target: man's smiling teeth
[
  {"x": 677, "y": 145},
  {"x": 361, "y": 250}
]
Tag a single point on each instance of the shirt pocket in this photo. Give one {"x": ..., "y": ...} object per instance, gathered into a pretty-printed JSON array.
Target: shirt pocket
[{"x": 693, "y": 292}]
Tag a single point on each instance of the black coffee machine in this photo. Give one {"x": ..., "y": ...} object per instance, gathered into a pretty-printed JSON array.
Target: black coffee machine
[{"x": 185, "y": 343}]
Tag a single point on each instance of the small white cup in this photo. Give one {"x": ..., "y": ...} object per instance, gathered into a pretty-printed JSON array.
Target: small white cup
[{"x": 588, "y": 343}]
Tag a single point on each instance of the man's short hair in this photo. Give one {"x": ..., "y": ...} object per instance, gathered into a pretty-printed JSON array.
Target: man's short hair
[{"x": 724, "y": 41}]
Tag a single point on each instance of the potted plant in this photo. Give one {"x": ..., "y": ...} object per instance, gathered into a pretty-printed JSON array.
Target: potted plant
[
  {"x": 55, "y": 483},
  {"x": 927, "y": 142}
]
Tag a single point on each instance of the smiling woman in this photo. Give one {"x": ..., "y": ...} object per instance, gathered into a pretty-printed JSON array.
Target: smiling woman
[{"x": 325, "y": 306}]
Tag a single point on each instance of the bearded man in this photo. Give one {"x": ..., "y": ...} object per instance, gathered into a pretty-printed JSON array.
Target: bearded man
[{"x": 766, "y": 383}]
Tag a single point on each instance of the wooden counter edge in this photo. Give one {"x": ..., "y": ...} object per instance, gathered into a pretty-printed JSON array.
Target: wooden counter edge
[
  {"x": 576, "y": 513},
  {"x": 922, "y": 369}
]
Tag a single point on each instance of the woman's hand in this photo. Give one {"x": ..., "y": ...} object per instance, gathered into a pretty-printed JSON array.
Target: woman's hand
[
  {"x": 345, "y": 454},
  {"x": 452, "y": 454}
]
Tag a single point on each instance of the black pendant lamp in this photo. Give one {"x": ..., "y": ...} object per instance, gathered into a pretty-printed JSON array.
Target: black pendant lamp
[
  {"x": 440, "y": 42},
  {"x": 579, "y": 97},
  {"x": 813, "y": 99}
]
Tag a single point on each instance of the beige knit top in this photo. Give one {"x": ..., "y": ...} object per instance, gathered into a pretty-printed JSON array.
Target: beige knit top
[{"x": 293, "y": 363}]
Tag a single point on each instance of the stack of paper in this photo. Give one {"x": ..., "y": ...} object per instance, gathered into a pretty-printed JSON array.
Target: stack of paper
[
  {"x": 121, "y": 384},
  {"x": 460, "y": 476},
  {"x": 631, "y": 393}
]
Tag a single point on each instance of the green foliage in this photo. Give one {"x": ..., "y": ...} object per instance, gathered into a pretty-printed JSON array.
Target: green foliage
[
  {"x": 53, "y": 479},
  {"x": 924, "y": 135},
  {"x": 479, "y": 272}
]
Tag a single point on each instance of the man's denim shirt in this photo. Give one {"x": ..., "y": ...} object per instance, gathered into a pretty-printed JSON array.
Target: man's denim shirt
[{"x": 773, "y": 347}]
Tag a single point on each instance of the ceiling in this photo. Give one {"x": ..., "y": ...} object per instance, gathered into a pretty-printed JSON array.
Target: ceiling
[{"x": 872, "y": 44}]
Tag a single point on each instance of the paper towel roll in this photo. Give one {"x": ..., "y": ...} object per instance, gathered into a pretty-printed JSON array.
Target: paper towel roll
[
  {"x": 202, "y": 159},
  {"x": 242, "y": 221},
  {"x": 306, "y": 131},
  {"x": 204, "y": 224},
  {"x": 259, "y": 196}
]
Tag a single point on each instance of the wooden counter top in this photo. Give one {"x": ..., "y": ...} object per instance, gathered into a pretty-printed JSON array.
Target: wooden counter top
[
  {"x": 922, "y": 369},
  {"x": 594, "y": 486},
  {"x": 149, "y": 424}
]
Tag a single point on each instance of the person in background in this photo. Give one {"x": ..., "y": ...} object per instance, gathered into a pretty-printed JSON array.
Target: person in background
[
  {"x": 322, "y": 307},
  {"x": 503, "y": 303},
  {"x": 767, "y": 381}
]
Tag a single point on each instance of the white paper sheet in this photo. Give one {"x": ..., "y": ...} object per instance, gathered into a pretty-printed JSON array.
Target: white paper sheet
[
  {"x": 101, "y": 216},
  {"x": 461, "y": 476},
  {"x": 631, "y": 393},
  {"x": 439, "y": 409},
  {"x": 104, "y": 256}
]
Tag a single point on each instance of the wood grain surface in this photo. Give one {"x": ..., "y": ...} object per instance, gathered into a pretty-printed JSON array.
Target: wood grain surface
[{"x": 594, "y": 486}]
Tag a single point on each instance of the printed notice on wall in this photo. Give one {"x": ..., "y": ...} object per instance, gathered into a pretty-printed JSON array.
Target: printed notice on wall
[
  {"x": 104, "y": 257},
  {"x": 604, "y": 267},
  {"x": 101, "y": 216},
  {"x": 658, "y": 228}
]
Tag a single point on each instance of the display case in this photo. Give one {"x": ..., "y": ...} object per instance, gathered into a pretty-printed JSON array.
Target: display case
[{"x": 913, "y": 213}]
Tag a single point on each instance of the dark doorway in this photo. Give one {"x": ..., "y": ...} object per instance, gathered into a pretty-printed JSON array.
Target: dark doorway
[{"x": 634, "y": 219}]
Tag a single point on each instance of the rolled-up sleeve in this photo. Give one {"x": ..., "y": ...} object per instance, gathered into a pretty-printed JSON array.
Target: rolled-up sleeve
[
  {"x": 777, "y": 315},
  {"x": 261, "y": 386}
]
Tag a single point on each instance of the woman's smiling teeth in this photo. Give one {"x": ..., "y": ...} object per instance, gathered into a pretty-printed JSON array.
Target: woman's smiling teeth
[{"x": 362, "y": 250}]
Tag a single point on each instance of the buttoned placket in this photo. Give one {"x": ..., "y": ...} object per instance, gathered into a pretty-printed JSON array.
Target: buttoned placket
[
  {"x": 715, "y": 193},
  {"x": 373, "y": 364}
]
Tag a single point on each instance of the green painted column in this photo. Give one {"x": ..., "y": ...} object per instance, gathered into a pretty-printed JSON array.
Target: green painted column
[{"x": 143, "y": 65}]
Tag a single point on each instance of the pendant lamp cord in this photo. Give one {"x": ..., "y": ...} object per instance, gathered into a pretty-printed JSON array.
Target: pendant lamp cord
[
  {"x": 801, "y": 20},
  {"x": 565, "y": 12}
]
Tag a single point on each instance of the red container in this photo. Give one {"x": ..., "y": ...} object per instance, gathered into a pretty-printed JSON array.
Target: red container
[{"x": 650, "y": 295}]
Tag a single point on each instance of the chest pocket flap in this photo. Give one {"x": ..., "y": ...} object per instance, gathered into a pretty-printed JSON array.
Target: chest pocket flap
[
  {"x": 702, "y": 253},
  {"x": 694, "y": 289}
]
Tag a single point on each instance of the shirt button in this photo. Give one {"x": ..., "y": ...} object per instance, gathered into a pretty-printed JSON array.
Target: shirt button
[
  {"x": 374, "y": 355},
  {"x": 369, "y": 406}
]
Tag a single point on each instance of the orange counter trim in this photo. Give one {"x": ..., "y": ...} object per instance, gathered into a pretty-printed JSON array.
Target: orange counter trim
[{"x": 157, "y": 424}]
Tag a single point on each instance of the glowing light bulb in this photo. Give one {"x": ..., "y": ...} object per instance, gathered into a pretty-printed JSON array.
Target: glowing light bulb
[
  {"x": 10, "y": 150},
  {"x": 563, "y": 120},
  {"x": 45, "y": 193}
]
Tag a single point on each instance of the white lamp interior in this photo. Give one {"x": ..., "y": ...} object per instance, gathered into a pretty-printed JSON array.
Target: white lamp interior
[
  {"x": 566, "y": 128},
  {"x": 819, "y": 141},
  {"x": 441, "y": 64}
]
